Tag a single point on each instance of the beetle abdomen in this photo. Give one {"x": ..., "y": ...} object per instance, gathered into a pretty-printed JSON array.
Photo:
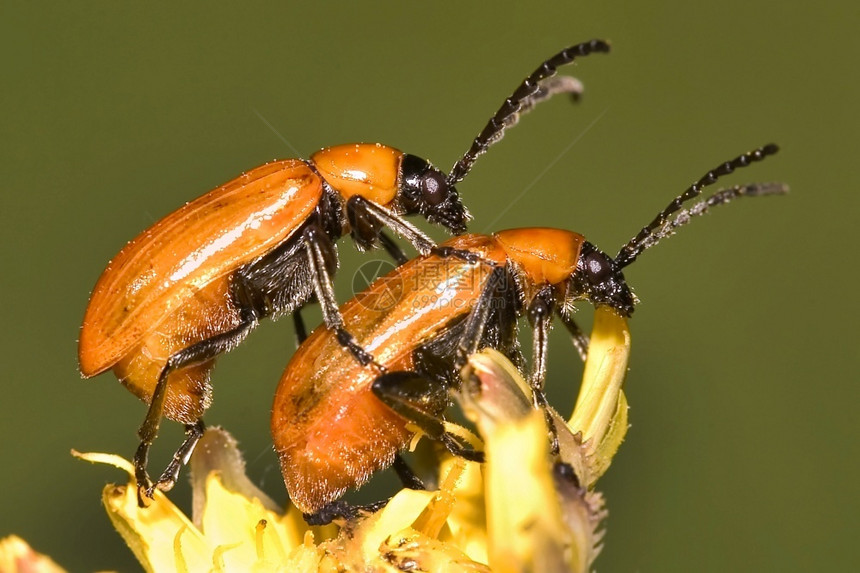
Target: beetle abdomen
[
  {"x": 188, "y": 391},
  {"x": 346, "y": 445}
]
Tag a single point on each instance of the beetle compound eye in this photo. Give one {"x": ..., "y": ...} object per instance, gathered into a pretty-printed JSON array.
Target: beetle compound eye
[
  {"x": 598, "y": 266},
  {"x": 434, "y": 189}
]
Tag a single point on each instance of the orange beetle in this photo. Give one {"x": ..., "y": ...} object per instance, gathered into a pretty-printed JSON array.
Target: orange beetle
[
  {"x": 193, "y": 285},
  {"x": 335, "y": 423}
]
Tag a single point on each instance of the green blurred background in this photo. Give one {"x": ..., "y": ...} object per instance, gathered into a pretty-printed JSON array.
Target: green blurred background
[{"x": 743, "y": 449}]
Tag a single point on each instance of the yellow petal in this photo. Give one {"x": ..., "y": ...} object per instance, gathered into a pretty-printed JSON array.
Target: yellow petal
[
  {"x": 523, "y": 515},
  {"x": 600, "y": 413},
  {"x": 160, "y": 536},
  {"x": 239, "y": 530},
  {"x": 234, "y": 515},
  {"x": 602, "y": 456},
  {"x": 538, "y": 517},
  {"x": 467, "y": 522}
]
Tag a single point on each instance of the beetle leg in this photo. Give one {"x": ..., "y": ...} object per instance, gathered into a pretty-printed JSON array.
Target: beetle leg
[
  {"x": 299, "y": 326},
  {"x": 392, "y": 249},
  {"x": 443, "y": 252},
  {"x": 422, "y": 402},
  {"x": 408, "y": 478},
  {"x": 491, "y": 322},
  {"x": 317, "y": 246},
  {"x": 579, "y": 338},
  {"x": 193, "y": 433},
  {"x": 342, "y": 510},
  {"x": 366, "y": 218},
  {"x": 479, "y": 317},
  {"x": 540, "y": 319},
  {"x": 195, "y": 354}
]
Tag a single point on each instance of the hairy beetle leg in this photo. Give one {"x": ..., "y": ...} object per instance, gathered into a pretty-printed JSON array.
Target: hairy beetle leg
[{"x": 422, "y": 401}]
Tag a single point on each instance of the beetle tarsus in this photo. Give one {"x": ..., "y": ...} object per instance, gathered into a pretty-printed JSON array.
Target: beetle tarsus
[
  {"x": 193, "y": 433},
  {"x": 407, "y": 477},
  {"x": 456, "y": 448},
  {"x": 194, "y": 354},
  {"x": 341, "y": 511},
  {"x": 347, "y": 341},
  {"x": 141, "y": 477}
]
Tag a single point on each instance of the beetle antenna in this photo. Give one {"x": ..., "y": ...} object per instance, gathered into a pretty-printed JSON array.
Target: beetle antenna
[
  {"x": 537, "y": 87},
  {"x": 662, "y": 226},
  {"x": 721, "y": 197}
]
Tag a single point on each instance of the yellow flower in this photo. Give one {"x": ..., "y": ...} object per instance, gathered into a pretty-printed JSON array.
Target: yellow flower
[
  {"x": 239, "y": 529},
  {"x": 525, "y": 509},
  {"x": 542, "y": 514}
]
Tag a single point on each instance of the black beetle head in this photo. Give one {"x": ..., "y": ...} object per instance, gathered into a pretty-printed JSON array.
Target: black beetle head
[
  {"x": 597, "y": 280},
  {"x": 425, "y": 190}
]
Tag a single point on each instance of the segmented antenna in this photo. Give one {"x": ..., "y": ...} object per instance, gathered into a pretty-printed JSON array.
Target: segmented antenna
[
  {"x": 721, "y": 197},
  {"x": 536, "y": 88},
  {"x": 662, "y": 227}
]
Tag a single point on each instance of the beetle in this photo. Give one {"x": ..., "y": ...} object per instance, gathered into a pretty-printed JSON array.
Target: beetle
[
  {"x": 194, "y": 284},
  {"x": 334, "y": 423}
]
